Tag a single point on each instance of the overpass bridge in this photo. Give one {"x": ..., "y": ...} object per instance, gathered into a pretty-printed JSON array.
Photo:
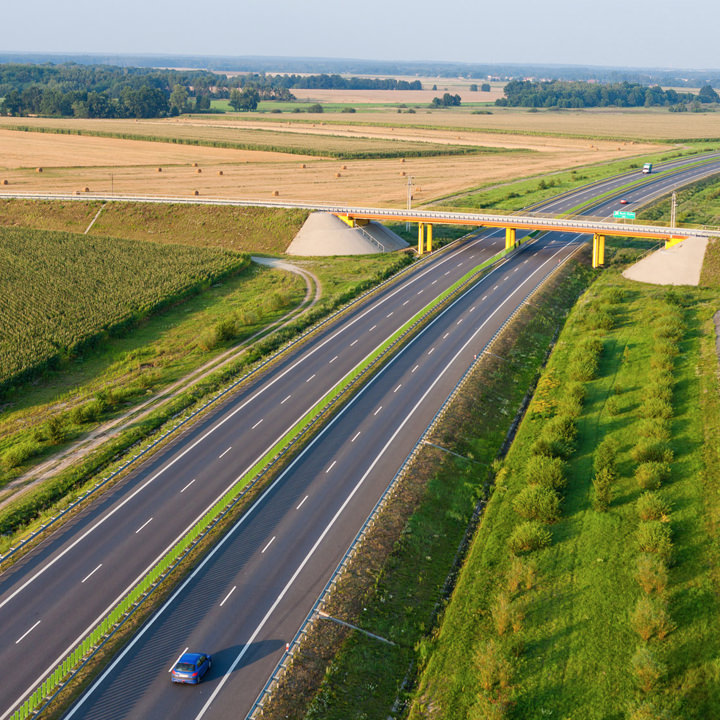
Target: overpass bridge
[
  {"x": 598, "y": 228},
  {"x": 357, "y": 216}
]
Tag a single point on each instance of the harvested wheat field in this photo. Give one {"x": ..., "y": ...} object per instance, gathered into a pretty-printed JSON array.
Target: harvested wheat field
[
  {"x": 633, "y": 123},
  {"x": 412, "y": 134}
]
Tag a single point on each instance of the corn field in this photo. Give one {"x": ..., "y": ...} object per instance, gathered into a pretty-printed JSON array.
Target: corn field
[{"x": 60, "y": 292}]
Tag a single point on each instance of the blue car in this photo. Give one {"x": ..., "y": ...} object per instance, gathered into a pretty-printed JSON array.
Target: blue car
[{"x": 191, "y": 667}]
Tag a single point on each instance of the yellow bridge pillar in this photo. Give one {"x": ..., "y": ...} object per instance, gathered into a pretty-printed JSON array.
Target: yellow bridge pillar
[
  {"x": 428, "y": 245},
  {"x": 509, "y": 238},
  {"x": 598, "y": 250},
  {"x": 421, "y": 238}
]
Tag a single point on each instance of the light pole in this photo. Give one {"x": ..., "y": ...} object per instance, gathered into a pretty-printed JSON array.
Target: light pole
[
  {"x": 673, "y": 209},
  {"x": 112, "y": 184},
  {"x": 409, "y": 200}
]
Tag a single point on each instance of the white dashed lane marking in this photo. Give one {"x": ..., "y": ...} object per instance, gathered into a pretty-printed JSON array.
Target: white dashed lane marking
[
  {"x": 188, "y": 485},
  {"x": 89, "y": 575},
  {"x": 257, "y": 423},
  {"x": 223, "y": 454},
  {"x": 147, "y": 522},
  {"x": 302, "y": 502},
  {"x": 224, "y": 600},
  {"x": 357, "y": 435},
  {"x": 268, "y": 545},
  {"x": 332, "y": 465}
]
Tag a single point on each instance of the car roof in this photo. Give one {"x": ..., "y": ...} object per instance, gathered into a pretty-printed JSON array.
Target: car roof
[{"x": 191, "y": 657}]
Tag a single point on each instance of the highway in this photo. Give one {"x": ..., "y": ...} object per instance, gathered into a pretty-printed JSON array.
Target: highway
[{"x": 250, "y": 595}]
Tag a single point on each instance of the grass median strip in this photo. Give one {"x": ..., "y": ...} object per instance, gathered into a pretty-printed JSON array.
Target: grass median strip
[{"x": 250, "y": 478}]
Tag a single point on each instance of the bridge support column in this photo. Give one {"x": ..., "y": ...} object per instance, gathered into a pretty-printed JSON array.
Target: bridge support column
[
  {"x": 421, "y": 238},
  {"x": 428, "y": 244},
  {"x": 510, "y": 241},
  {"x": 598, "y": 250}
]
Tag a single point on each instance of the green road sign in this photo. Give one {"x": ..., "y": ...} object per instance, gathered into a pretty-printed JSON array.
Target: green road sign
[{"x": 624, "y": 214}]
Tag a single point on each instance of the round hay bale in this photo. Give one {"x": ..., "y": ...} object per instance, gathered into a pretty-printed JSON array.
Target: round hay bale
[
  {"x": 38, "y": 169},
  {"x": 194, "y": 164},
  {"x": 5, "y": 182},
  {"x": 197, "y": 192},
  {"x": 199, "y": 170},
  {"x": 402, "y": 159},
  {"x": 77, "y": 192},
  {"x": 402, "y": 173},
  {"x": 302, "y": 165},
  {"x": 344, "y": 167},
  {"x": 220, "y": 172},
  {"x": 87, "y": 189},
  {"x": 276, "y": 193},
  {"x": 159, "y": 169},
  {"x": 337, "y": 175}
]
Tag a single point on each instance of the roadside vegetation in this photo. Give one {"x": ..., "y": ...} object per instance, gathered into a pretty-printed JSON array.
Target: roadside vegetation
[
  {"x": 698, "y": 204},
  {"x": 242, "y": 229},
  {"x": 591, "y": 587},
  {"x": 528, "y": 192}
]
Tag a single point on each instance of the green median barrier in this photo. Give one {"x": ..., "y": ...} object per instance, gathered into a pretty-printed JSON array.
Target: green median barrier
[{"x": 117, "y": 616}]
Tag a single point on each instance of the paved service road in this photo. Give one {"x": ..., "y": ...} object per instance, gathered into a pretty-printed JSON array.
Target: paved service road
[{"x": 251, "y": 594}]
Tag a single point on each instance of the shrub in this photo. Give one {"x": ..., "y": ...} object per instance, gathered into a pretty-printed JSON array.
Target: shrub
[
  {"x": 614, "y": 295},
  {"x": 535, "y": 502},
  {"x": 652, "y": 575},
  {"x": 613, "y": 405},
  {"x": 522, "y": 574},
  {"x": 650, "y": 710},
  {"x": 659, "y": 391},
  {"x": 557, "y": 438},
  {"x": 655, "y": 537},
  {"x": 602, "y": 489},
  {"x": 605, "y": 456},
  {"x": 649, "y": 450},
  {"x": 647, "y": 668},
  {"x": 545, "y": 471},
  {"x": 651, "y": 506},
  {"x": 506, "y": 613},
  {"x": 19, "y": 454},
  {"x": 650, "y": 475},
  {"x": 494, "y": 669},
  {"x": 598, "y": 317},
  {"x": 655, "y": 406},
  {"x": 651, "y": 618},
  {"x": 529, "y": 536},
  {"x": 669, "y": 326},
  {"x": 583, "y": 362},
  {"x": 656, "y": 429}
]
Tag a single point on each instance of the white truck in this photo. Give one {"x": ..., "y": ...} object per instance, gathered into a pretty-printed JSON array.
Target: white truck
[{"x": 647, "y": 168}]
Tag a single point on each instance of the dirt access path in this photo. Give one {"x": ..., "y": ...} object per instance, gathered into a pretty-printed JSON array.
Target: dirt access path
[{"x": 94, "y": 439}]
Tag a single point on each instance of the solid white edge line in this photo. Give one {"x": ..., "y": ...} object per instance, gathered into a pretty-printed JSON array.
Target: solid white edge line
[
  {"x": 89, "y": 575},
  {"x": 81, "y": 701}
]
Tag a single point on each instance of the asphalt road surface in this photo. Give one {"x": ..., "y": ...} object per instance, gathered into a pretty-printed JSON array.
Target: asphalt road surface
[{"x": 250, "y": 595}]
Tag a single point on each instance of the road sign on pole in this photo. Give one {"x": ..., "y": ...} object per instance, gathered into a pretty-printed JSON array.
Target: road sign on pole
[{"x": 624, "y": 214}]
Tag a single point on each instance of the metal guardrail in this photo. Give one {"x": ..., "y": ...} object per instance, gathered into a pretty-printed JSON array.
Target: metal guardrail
[
  {"x": 84, "y": 651},
  {"x": 531, "y": 220},
  {"x": 257, "y": 708}
]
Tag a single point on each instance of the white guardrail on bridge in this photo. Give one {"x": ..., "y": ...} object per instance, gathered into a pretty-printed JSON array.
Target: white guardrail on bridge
[{"x": 529, "y": 220}]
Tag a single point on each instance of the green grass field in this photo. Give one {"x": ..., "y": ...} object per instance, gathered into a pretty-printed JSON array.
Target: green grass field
[{"x": 572, "y": 643}]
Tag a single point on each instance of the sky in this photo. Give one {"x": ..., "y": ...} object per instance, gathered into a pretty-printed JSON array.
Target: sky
[{"x": 630, "y": 33}]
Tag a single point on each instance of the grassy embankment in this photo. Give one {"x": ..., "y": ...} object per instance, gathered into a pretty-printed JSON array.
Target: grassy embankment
[
  {"x": 613, "y": 614},
  {"x": 528, "y": 192},
  {"x": 393, "y": 585}
]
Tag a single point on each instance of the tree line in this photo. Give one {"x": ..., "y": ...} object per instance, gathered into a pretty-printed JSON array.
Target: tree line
[
  {"x": 564, "y": 94},
  {"x": 104, "y": 91}
]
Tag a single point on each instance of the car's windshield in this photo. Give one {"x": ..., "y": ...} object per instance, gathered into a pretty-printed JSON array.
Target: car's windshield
[{"x": 184, "y": 667}]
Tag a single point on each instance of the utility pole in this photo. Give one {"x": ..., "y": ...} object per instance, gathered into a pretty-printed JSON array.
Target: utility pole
[
  {"x": 409, "y": 200},
  {"x": 673, "y": 209}
]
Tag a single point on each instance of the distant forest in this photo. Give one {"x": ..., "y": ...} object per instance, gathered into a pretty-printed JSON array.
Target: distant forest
[
  {"x": 564, "y": 94},
  {"x": 104, "y": 91}
]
